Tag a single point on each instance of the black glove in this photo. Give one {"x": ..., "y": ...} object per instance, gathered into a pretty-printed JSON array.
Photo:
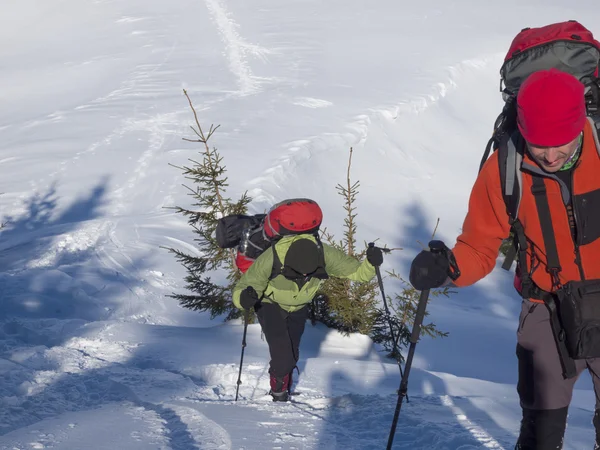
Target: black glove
[
  {"x": 429, "y": 270},
  {"x": 374, "y": 256},
  {"x": 248, "y": 298}
]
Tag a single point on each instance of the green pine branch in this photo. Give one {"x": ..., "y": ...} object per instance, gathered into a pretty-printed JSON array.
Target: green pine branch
[{"x": 207, "y": 187}]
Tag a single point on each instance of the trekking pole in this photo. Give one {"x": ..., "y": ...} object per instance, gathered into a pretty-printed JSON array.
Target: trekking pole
[
  {"x": 387, "y": 314},
  {"x": 239, "y": 380},
  {"x": 414, "y": 337},
  {"x": 435, "y": 247}
]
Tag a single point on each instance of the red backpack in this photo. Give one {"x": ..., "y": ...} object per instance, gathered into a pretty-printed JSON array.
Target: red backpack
[
  {"x": 252, "y": 235},
  {"x": 566, "y": 46}
]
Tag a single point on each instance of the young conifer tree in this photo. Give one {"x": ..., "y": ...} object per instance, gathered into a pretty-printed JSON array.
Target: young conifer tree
[
  {"x": 209, "y": 183},
  {"x": 356, "y": 307},
  {"x": 347, "y": 305},
  {"x": 403, "y": 311}
]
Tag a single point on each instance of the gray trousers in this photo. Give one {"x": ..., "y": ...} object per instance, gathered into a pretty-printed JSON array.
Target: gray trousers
[
  {"x": 541, "y": 385},
  {"x": 544, "y": 394}
]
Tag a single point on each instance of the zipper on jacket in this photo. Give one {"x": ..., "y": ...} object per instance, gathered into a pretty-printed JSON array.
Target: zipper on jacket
[{"x": 578, "y": 232}]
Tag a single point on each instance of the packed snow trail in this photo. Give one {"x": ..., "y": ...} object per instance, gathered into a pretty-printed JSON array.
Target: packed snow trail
[{"x": 193, "y": 402}]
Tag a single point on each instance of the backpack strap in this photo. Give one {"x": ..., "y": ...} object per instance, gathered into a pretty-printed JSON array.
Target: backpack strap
[
  {"x": 553, "y": 266},
  {"x": 519, "y": 248},
  {"x": 277, "y": 267},
  {"x": 493, "y": 140},
  {"x": 505, "y": 121},
  {"x": 592, "y": 97},
  {"x": 541, "y": 202},
  {"x": 510, "y": 157},
  {"x": 592, "y": 103},
  {"x": 595, "y": 122},
  {"x": 321, "y": 256}
]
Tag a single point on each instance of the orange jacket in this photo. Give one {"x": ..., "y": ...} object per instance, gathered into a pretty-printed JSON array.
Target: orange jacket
[{"x": 487, "y": 222}]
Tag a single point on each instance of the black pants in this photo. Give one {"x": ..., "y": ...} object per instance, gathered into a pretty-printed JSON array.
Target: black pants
[{"x": 283, "y": 331}]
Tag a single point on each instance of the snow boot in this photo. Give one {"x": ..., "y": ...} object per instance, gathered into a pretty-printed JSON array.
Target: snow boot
[
  {"x": 280, "y": 388},
  {"x": 542, "y": 429}
]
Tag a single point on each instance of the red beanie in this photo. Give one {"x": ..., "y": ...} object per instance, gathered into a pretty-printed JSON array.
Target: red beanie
[{"x": 551, "y": 108}]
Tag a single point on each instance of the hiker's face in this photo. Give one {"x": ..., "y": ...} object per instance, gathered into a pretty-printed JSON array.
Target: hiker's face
[{"x": 551, "y": 159}]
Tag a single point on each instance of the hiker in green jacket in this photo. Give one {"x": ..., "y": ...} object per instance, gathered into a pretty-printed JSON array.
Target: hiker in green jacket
[{"x": 281, "y": 303}]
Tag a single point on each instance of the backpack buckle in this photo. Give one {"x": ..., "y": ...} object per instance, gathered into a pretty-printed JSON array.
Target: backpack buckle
[
  {"x": 538, "y": 190},
  {"x": 553, "y": 271}
]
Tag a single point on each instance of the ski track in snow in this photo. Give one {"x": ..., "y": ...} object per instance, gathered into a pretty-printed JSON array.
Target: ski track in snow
[
  {"x": 91, "y": 372},
  {"x": 137, "y": 85},
  {"x": 309, "y": 102},
  {"x": 94, "y": 234},
  {"x": 236, "y": 48},
  {"x": 477, "y": 432},
  {"x": 264, "y": 189},
  {"x": 156, "y": 129},
  {"x": 96, "y": 374}
]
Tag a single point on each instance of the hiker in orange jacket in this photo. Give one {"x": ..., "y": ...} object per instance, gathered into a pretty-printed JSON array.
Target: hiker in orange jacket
[{"x": 559, "y": 275}]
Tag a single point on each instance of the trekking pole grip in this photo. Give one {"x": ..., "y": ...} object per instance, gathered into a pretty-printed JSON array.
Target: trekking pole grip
[{"x": 439, "y": 248}]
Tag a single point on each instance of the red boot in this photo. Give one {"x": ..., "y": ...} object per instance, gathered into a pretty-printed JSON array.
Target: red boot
[{"x": 279, "y": 388}]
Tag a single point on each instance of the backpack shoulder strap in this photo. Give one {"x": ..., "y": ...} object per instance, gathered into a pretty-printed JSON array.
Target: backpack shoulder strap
[
  {"x": 553, "y": 267},
  {"x": 322, "y": 271},
  {"x": 592, "y": 102},
  {"x": 510, "y": 156},
  {"x": 493, "y": 140},
  {"x": 595, "y": 122},
  {"x": 277, "y": 267},
  {"x": 541, "y": 201}
]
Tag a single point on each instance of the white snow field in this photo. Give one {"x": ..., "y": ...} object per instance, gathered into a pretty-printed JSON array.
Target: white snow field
[{"x": 94, "y": 355}]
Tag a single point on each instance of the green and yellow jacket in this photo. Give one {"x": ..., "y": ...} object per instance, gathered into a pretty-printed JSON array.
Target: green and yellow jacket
[{"x": 286, "y": 293}]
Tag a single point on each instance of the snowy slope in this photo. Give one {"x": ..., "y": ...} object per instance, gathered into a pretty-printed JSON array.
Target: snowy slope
[{"x": 94, "y": 355}]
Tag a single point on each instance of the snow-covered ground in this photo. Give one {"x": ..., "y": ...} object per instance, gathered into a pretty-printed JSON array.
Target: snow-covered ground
[{"x": 94, "y": 355}]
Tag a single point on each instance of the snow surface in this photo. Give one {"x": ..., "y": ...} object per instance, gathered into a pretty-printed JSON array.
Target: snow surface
[{"x": 93, "y": 355}]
